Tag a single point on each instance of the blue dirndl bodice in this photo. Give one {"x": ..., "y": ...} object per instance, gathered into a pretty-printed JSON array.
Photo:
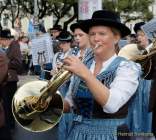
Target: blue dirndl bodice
[
  {"x": 83, "y": 126},
  {"x": 83, "y": 98}
]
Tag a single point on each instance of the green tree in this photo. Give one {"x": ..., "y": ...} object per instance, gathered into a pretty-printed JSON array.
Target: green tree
[
  {"x": 64, "y": 8},
  {"x": 130, "y": 9}
]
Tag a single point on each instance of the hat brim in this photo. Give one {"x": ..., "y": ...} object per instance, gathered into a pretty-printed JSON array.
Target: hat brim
[
  {"x": 68, "y": 39},
  {"x": 138, "y": 26},
  {"x": 76, "y": 26},
  {"x": 87, "y": 24}
]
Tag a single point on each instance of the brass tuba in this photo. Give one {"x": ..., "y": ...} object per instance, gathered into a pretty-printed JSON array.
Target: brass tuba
[
  {"x": 145, "y": 59},
  {"x": 38, "y": 106}
]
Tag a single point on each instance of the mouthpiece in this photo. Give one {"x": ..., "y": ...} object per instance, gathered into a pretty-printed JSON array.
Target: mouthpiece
[{"x": 96, "y": 46}]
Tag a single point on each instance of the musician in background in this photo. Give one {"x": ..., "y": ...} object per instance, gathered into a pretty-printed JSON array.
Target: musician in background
[
  {"x": 152, "y": 99},
  {"x": 65, "y": 40},
  {"x": 143, "y": 43},
  {"x": 55, "y": 32},
  {"x": 82, "y": 44},
  {"x": 81, "y": 38},
  {"x": 139, "y": 119},
  {"x": 103, "y": 84},
  {"x": 150, "y": 76}
]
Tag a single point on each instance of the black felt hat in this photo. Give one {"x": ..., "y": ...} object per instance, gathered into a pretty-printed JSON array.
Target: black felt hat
[
  {"x": 137, "y": 26},
  {"x": 5, "y": 34},
  {"x": 57, "y": 27},
  {"x": 106, "y": 18},
  {"x": 65, "y": 36},
  {"x": 77, "y": 25}
]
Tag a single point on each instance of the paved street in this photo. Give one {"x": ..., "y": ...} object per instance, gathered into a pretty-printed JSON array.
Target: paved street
[{"x": 22, "y": 134}]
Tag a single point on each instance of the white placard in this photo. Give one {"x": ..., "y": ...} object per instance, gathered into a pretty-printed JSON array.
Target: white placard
[
  {"x": 87, "y": 7},
  {"x": 42, "y": 45},
  {"x": 150, "y": 29}
]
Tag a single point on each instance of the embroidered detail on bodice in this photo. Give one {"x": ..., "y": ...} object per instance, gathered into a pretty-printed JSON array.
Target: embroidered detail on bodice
[{"x": 83, "y": 98}]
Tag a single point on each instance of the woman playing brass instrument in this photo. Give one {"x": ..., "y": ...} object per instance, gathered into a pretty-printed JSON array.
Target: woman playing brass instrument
[
  {"x": 81, "y": 40},
  {"x": 65, "y": 42},
  {"x": 103, "y": 84}
]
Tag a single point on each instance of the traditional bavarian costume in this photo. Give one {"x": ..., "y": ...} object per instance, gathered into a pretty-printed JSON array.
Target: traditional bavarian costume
[{"x": 88, "y": 120}]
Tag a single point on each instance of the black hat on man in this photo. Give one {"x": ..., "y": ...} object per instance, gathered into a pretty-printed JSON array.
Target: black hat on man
[
  {"x": 5, "y": 34},
  {"x": 65, "y": 36},
  {"x": 137, "y": 26},
  {"x": 77, "y": 25}
]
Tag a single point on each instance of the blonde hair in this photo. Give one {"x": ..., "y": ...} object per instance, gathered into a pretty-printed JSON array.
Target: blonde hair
[{"x": 115, "y": 31}]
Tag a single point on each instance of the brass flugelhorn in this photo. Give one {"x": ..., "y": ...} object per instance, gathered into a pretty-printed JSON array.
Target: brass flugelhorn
[{"x": 38, "y": 106}]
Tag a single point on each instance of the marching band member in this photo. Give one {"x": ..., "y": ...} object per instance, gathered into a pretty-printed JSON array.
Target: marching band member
[
  {"x": 103, "y": 84},
  {"x": 65, "y": 41},
  {"x": 82, "y": 40}
]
